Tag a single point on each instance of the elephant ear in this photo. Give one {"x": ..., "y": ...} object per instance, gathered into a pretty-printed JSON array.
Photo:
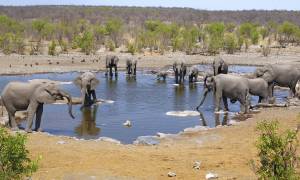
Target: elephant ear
[
  {"x": 222, "y": 65},
  {"x": 44, "y": 94},
  {"x": 94, "y": 83},
  {"x": 78, "y": 81}
]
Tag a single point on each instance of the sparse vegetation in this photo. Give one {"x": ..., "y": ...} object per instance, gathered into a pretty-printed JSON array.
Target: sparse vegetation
[
  {"x": 144, "y": 31},
  {"x": 277, "y": 152},
  {"x": 14, "y": 160}
]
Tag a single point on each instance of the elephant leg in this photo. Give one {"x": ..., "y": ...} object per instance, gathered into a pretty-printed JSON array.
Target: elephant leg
[
  {"x": 93, "y": 93},
  {"x": 116, "y": 70},
  {"x": 38, "y": 118},
  {"x": 218, "y": 96},
  {"x": 110, "y": 71},
  {"x": 260, "y": 99},
  {"x": 106, "y": 73},
  {"x": 12, "y": 121},
  {"x": 134, "y": 71},
  {"x": 225, "y": 102},
  {"x": 31, "y": 112}
]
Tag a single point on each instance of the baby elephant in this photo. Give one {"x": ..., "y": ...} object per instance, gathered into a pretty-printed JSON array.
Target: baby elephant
[
  {"x": 31, "y": 96},
  {"x": 193, "y": 74},
  {"x": 87, "y": 82},
  {"x": 259, "y": 87},
  {"x": 162, "y": 74},
  {"x": 131, "y": 66}
]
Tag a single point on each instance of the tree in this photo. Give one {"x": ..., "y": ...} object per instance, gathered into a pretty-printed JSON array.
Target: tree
[
  {"x": 287, "y": 31},
  {"x": 230, "y": 43},
  {"x": 113, "y": 29}
]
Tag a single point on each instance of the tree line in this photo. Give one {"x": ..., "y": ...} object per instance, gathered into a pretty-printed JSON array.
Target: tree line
[{"x": 88, "y": 34}]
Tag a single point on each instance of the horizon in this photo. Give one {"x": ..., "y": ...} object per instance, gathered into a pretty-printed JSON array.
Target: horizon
[{"x": 212, "y": 5}]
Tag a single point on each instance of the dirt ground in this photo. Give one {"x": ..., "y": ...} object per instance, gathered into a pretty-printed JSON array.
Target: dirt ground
[{"x": 225, "y": 151}]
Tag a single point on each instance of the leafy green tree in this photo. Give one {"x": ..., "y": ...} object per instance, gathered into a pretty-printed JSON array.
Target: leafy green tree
[
  {"x": 113, "y": 29},
  {"x": 216, "y": 37},
  {"x": 264, "y": 32},
  {"x": 39, "y": 26},
  {"x": 14, "y": 160},
  {"x": 230, "y": 43},
  {"x": 277, "y": 152},
  {"x": 287, "y": 31},
  {"x": 87, "y": 42}
]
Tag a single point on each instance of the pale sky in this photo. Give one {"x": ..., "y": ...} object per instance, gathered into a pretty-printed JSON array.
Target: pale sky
[{"x": 197, "y": 4}]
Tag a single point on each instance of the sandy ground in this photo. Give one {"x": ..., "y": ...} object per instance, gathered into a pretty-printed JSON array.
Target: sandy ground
[{"x": 225, "y": 151}]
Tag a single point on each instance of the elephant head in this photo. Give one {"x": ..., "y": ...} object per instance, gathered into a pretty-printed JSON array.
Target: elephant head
[
  {"x": 266, "y": 72},
  {"x": 87, "y": 82},
  {"x": 209, "y": 84},
  {"x": 219, "y": 66},
  {"x": 179, "y": 69},
  {"x": 49, "y": 93}
]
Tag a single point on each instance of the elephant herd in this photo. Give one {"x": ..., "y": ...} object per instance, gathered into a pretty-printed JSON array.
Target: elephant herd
[
  {"x": 31, "y": 96},
  {"x": 239, "y": 88}
]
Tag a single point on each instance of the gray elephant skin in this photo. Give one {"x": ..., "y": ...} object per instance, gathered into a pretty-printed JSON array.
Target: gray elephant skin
[
  {"x": 179, "y": 69},
  {"x": 259, "y": 87},
  {"x": 281, "y": 75},
  {"x": 225, "y": 86},
  {"x": 31, "y": 96},
  {"x": 193, "y": 74},
  {"x": 297, "y": 89},
  {"x": 131, "y": 66},
  {"x": 87, "y": 82},
  {"x": 111, "y": 62},
  {"x": 219, "y": 66}
]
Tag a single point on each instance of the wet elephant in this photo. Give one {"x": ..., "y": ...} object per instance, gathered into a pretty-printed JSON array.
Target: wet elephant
[
  {"x": 219, "y": 66},
  {"x": 179, "y": 69},
  {"x": 31, "y": 96},
  {"x": 111, "y": 61},
  {"x": 225, "y": 86},
  {"x": 131, "y": 67}
]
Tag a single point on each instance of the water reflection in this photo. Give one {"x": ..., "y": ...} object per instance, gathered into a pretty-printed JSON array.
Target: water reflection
[
  {"x": 130, "y": 78},
  {"x": 220, "y": 119},
  {"x": 88, "y": 127}
]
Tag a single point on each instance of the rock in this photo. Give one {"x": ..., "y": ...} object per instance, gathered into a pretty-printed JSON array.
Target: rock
[
  {"x": 197, "y": 164},
  {"x": 171, "y": 174},
  {"x": 107, "y": 139},
  {"x": 61, "y": 142},
  {"x": 195, "y": 129},
  {"x": 183, "y": 113},
  {"x": 127, "y": 123},
  {"x": 211, "y": 176},
  {"x": 146, "y": 140}
]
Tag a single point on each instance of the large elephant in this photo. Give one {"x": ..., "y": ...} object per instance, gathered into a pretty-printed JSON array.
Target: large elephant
[
  {"x": 179, "y": 69},
  {"x": 297, "y": 89},
  {"x": 281, "y": 75},
  {"x": 111, "y": 62},
  {"x": 87, "y": 82},
  {"x": 225, "y": 86},
  {"x": 259, "y": 87},
  {"x": 219, "y": 66},
  {"x": 131, "y": 66},
  {"x": 31, "y": 96},
  {"x": 193, "y": 74}
]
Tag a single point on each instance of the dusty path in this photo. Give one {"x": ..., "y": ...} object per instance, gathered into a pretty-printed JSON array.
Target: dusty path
[{"x": 225, "y": 151}]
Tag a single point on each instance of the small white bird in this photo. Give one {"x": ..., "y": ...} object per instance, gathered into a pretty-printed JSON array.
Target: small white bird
[{"x": 127, "y": 123}]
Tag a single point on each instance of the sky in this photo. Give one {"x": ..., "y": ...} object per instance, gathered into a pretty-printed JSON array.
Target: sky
[{"x": 197, "y": 4}]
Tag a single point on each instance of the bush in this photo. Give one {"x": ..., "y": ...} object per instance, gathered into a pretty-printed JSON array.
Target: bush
[
  {"x": 14, "y": 160},
  {"x": 230, "y": 43},
  {"x": 277, "y": 152},
  {"x": 110, "y": 45},
  {"x": 51, "y": 48},
  {"x": 266, "y": 50},
  {"x": 131, "y": 48}
]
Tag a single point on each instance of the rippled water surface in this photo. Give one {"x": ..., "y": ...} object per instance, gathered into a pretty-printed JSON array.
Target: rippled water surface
[{"x": 144, "y": 101}]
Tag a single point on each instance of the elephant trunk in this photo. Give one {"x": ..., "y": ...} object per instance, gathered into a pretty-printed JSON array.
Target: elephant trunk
[
  {"x": 69, "y": 98},
  {"x": 216, "y": 68},
  {"x": 203, "y": 98}
]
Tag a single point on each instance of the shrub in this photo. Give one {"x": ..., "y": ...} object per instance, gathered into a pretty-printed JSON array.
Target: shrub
[
  {"x": 230, "y": 43},
  {"x": 51, "y": 48},
  {"x": 131, "y": 48},
  {"x": 277, "y": 152},
  {"x": 110, "y": 45},
  {"x": 266, "y": 50},
  {"x": 14, "y": 160}
]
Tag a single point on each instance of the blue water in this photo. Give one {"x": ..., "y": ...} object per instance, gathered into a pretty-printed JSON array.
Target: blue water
[{"x": 143, "y": 101}]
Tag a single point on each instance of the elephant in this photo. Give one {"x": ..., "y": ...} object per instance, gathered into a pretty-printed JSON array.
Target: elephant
[
  {"x": 281, "y": 75},
  {"x": 87, "y": 82},
  {"x": 219, "y": 66},
  {"x": 111, "y": 61},
  {"x": 193, "y": 74},
  {"x": 179, "y": 69},
  {"x": 259, "y": 87},
  {"x": 225, "y": 86},
  {"x": 161, "y": 74},
  {"x": 31, "y": 96},
  {"x": 131, "y": 67}
]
